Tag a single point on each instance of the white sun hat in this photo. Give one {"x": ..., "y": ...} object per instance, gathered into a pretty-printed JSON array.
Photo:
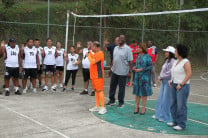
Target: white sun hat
[{"x": 170, "y": 49}]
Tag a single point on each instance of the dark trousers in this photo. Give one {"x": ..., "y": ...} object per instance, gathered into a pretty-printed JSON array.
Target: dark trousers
[
  {"x": 68, "y": 74},
  {"x": 121, "y": 82}
]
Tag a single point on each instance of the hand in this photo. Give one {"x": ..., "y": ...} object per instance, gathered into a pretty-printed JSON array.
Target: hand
[
  {"x": 178, "y": 87},
  {"x": 109, "y": 73},
  {"x": 170, "y": 83},
  {"x": 138, "y": 70},
  {"x": 2, "y": 43},
  {"x": 106, "y": 42},
  {"x": 79, "y": 44},
  {"x": 65, "y": 54}
]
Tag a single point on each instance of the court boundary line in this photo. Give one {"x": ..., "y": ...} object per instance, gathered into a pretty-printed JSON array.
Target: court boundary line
[{"x": 35, "y": 121}]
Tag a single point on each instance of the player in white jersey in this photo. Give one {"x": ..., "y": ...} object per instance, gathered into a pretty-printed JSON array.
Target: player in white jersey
[
  {"x": 72, "y": 62},
  {"x": 59, "y": 64},
  {"x": 40, "y": 52},
  {"x": 31, "y": 63},
  {"x": 49, "y": 64},
  {"x": 12, "y": 65},
  {"x": 85, "y": 66}
]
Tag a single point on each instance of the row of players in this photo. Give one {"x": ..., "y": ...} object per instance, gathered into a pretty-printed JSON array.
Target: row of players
[{"x": 30, "y": 59}]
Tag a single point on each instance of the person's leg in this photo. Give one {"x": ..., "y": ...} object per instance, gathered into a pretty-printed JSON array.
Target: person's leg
[
  {"x": 159, "y": 101},
  {"x": 60, "y": 78},
  {"x": 74, "y": 72},
  {"x": 122, "y": 86},
  {"x": 97, "y": 99},
  {"x": 182, "y": 96},
  {"x": 56, "y": 76},
  {"x": 173, "y": 107},
  {"x": 144, "y": 100},
  {"x": 68, "y": 74},
  {"x": 153, "y": 74},
  {"x": 137, "y": 101},
  {"x": 113, "y": 86},
  {"x": 46, "y": 78}
]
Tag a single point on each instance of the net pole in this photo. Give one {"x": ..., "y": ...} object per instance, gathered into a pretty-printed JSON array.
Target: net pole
[
  {"x": 66, "y": 41},
  {"x": 101, "y": 11},
  {"x": 143, "y": 23},
  {"x": 48, "y": 27},
  {"x": 75, "y": 20},
  {"x": 179, "y": 22}
]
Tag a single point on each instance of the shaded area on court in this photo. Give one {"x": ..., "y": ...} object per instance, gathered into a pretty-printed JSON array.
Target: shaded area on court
[{"x": 125, "y": 117}]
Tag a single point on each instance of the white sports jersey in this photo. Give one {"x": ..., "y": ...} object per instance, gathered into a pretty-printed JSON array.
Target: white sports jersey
[
  {"x": 30, "y": 57},
  {"x": 60, "y": 58},
  {"x": 50, "y": 56},
  {"x": 85, "y": 61},
  {"x": 72, "y": 59},
  {"x": 12, "y": 56},
  {"x": 40, "y": 55}
]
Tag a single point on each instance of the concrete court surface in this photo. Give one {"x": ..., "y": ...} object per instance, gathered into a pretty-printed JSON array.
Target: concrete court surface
[{"x": 66, "y": 115}]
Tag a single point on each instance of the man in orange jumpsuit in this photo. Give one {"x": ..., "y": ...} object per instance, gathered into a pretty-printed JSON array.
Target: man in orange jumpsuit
[{"x": 96, "y": 58}]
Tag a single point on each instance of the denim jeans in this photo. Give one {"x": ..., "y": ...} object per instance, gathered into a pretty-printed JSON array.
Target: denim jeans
[
  {"x": 179, "y": 104},
  {"x": 163, "y": 102},
  {"x": 153, "y": 74},
  {"x": 121, "y": 82}
]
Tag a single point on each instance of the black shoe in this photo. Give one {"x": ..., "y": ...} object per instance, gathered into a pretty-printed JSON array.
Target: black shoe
[
  {"x": 18, "y": 92},
  {"x": 7, "y": 93},
  {"x": 64, "y": 89},
  {"x": 110, "y": 103},
  {"x": 92, "y": 93},
  {"x": 84, "y": 92},
  {"x": 0, "y": 92},
  {"x": 137, "y": 111},
  {"x": 143, "y": 112},
  {"x": 120, "y": 105},
  {"x": 72, "y": 89}
]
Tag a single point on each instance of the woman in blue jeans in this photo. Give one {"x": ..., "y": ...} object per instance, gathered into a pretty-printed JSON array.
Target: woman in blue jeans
[
  {"x": 180, "y": 84},
  {"x": 162, "y": 112}
]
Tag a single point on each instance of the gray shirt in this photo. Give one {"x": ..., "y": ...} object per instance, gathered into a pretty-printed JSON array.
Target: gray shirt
[
  {"x": 121, "y": 57},
  {"x": 166, "y": 69}
]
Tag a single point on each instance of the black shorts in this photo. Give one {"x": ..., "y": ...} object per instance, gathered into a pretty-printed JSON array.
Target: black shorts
[
  {"x": 41, "y": 70},
  {"x": 60, "y": 68},
  {"x": 49, "y": 69},
  {"x": 30, "y": 72},
  {"x": 86, "y": 74},
  {"x": 11, "y": 72}
]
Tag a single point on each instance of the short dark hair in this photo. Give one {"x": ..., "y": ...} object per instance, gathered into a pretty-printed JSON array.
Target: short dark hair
[
  {"x": 48, "y": 39},
  {"x": 96, "y": 43},
  {"x": 133, "y": 41},
  {"x": 182, "y": 50},
  {"x": 29, "y": 39},
  {"x": 36, "y": 39}
]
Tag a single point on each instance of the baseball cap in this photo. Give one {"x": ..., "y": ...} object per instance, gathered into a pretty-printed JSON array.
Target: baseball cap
[
  {"x": 170, "y": 49},
  {"x": 12, "y": 40}
]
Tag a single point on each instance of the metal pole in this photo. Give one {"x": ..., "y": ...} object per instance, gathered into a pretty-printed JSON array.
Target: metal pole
[
  {"x": 179, "y": 21},
  {"x": 66, "y": 41},
  {"x": 101, "y": 11},
  {"x": 143, "y": 23},
  {"x": 48, "y": 29}
]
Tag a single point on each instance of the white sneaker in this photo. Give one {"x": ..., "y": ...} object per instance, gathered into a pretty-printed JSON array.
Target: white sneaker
[
  {"x": 171, "y": 124},
  {"x": 45, "y": 88},
  {"x": 25, "y": 90},
  {"x": 155, "y": 85},
  {"x": 61, "y": 85},
  {"x": 34, "y": 90},
  {"x": 94, "y": 109},
  {"x": 178, "y": 128},
  {"x": 53, "y": 88},
  {"x": 102, "y": 111}
]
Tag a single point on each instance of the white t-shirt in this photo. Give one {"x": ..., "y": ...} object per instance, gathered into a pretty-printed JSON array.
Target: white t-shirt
[
  {"x": 85, "y": 60},
  {"x": 30, "y": 57},
  {"x": 178, "y": 73},
  {"x": 50, "y": 56},
  {"x": 60, "y": 58},
  {"x": 72, "y": 59},
  {"x": 12, "y": 56},
  {"x": 40, "y": 55}
]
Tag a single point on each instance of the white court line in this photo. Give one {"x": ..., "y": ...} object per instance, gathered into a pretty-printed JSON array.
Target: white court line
[{"x": 36, "y": 122}]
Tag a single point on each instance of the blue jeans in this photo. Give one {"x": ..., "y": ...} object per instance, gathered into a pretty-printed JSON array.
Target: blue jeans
[
  {"x": 163, "y": 102},
  {"x": 179, "y": 104}
]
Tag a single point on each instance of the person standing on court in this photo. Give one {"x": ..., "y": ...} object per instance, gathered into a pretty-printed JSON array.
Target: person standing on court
[
  {"x": 153, "y": 52},
  {"x": 59, "y": 64},
  {"x": 180, "y": 84},
  {"x": 85, "y": 66},
  {"x": 142, "y": 81},
  {"x": 134, "y": 50},
  {"x": 31, "y": 64},
  {"x": 162, "y": 112},
  {"x": 96, "y": 58},
  {"x": 13, "y": 65},
  {"x": 49, "y": 64},
  {"x": 121, "y": 68}
]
